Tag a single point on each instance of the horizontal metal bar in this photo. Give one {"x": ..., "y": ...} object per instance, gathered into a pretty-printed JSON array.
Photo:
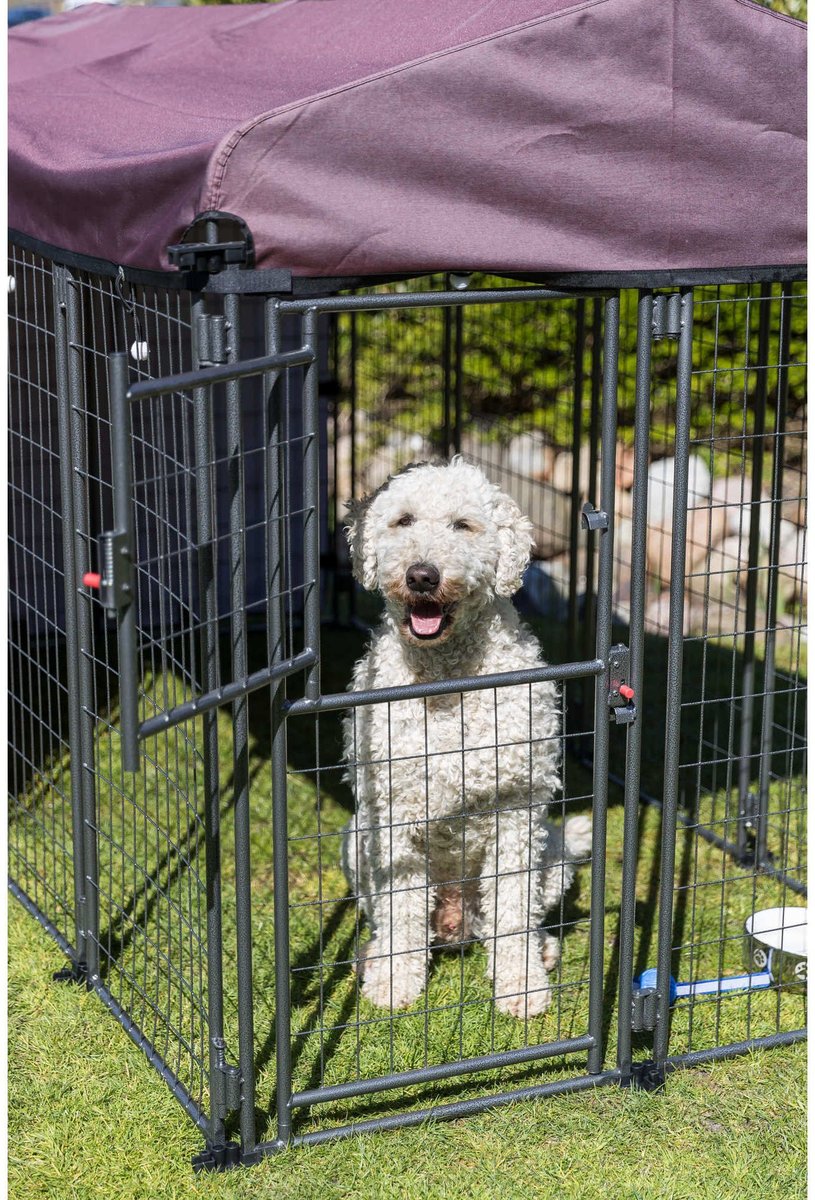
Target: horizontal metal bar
[
  {"x": 485, "y": 1062},
  {"x": 226, "y": 694},
  {"x": 153, "y": 1057},
  {"x": 772, "y": 1042},
  {"x": 391, "y": 300},
  {"x": 222, "y": 373},
  {"x": 446, "y": 687},
  {"x": 449, "y": 1112}
]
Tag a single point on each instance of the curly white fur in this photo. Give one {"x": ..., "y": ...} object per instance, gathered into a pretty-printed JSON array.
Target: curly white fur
[{"x": 452, "y": 791}]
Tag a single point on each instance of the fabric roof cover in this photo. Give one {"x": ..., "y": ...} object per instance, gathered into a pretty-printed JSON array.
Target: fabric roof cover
[{"x": 371, "y": 137}]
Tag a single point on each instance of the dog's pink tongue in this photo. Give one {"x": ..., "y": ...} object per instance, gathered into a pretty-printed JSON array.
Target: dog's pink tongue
[{"x": 426, "y": 619}]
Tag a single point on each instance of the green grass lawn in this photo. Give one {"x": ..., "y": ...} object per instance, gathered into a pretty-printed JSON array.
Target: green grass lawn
[{"x": 89, "y": 1117}]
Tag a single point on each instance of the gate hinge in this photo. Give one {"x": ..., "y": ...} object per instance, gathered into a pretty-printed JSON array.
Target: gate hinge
[
  {"x": 593, "y": 518},
  {"x": 227, "y": 1082},
  {"x": 211, "y": 347},
  {"x": 114, "y": 582},
  {"x": 666, "y": 316},
  {"x": 644, "y": 1009},
  {"x": 620, "y": 693}
]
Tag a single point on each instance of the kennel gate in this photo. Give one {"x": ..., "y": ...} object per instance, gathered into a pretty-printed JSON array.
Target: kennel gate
[{"x": 146, "y": 484}]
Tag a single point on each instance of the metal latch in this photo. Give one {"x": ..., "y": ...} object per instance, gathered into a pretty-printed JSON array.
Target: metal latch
[
  {"x": 593, "y": 518},
  {"x": 620, "y": 692},
  {"x": 644, "y": 1009},
  {"x": 115, "y": 580}
]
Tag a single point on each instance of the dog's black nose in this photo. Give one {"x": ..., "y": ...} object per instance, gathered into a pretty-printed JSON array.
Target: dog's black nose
[{"x": 422, "y": 577}]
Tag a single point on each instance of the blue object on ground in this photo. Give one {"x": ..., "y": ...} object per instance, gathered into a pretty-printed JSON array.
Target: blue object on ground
[{"x": 707, "y": 987}]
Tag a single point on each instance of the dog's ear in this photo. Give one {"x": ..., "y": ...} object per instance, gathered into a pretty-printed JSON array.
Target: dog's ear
[
  {"x": 363, "y": 556},
  {"x": 514, "y": 544}
]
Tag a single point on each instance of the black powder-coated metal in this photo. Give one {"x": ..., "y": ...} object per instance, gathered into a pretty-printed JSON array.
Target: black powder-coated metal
[
  {"x": 634, "y": 734},
  {"x": 82, "y": 563},
  {"x": 211, "y": 459},
  {"x": 751, "y": 589},
  {"x": 776, "y": 495},
  {"x": 121, "y": 434},
  {"x": 72, "y": 657},
  {"x": 673, "y": 707},
  {"x": 597, "y": 948}
]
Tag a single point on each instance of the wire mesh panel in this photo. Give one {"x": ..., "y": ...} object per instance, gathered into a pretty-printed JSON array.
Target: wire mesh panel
[
  {"x": 741, "y": 838},
  {"x": 41, "y": 823},
  {"x": 192, "y": 799}
]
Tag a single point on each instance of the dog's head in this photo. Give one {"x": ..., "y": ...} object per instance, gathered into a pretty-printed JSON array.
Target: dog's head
[{"x": 440, "y": 542}]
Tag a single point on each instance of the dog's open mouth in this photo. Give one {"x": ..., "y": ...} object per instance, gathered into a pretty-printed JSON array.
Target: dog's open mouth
[{"x": 427, "y": 619}]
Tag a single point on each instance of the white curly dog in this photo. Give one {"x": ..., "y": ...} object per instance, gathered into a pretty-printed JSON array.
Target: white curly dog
[{"x": 450, "y": 837}]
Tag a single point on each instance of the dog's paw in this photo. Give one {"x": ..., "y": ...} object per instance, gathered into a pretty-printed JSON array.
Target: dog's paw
[
  {"x": 393, "y": 981},
  {"x": 550, "y": 951},
  {"x": 518, "y": 1002}
]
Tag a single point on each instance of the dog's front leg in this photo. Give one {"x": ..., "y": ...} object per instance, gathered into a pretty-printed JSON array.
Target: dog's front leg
[
  {"x": 397, "y": 958},
  {"x": 512, "y": 912}
]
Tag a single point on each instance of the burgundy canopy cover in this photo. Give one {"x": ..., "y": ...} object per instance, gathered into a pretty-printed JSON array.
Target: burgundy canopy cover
[{"x": 370, "y": 137}]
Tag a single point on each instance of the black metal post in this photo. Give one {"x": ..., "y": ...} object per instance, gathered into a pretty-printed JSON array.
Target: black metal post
[
  {"x": 642, "y": 428},
  {"x": 611, "y": 343},
  {"x": 204, "y": 457},
  {"x": 673, "y": 705},
  {"x": 123, "y": 527},
  {"x": 240, "y": 732},
  {"x": 66, "y": 486},
  {"x": 751, "y": 591},
  {"x": 577, "y": 431},
  {"x": 84, "y": 698},
  {"x": 768, "y": 706}
]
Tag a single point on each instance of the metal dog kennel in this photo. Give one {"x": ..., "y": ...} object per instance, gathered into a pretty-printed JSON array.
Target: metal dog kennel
[{"x": 223, "y": 325}]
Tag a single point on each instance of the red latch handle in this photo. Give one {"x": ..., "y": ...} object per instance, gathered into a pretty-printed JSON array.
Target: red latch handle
[
  {"x": 626, "y": 692},
  {"x": 91, "y": 579}
]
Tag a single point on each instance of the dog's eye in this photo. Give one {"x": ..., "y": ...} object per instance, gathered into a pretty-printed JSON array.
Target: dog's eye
[
  {"x": 463, "y": 526},
  {"x": 407, "y": 519}
]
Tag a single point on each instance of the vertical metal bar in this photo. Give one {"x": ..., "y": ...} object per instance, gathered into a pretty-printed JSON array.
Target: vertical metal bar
[
  {"x": 673, "y": 706},
  {"x": 123, "y": 524},
  {"x": 352, "y": 391},
  {"x": 275, "y": 550},
  {"x": 240, "y": 731},
  {"x": 71, "y": 578},
  {"x": 204, "y": 455},
  {"x": 768, "y": 707},
  {"x": 447, "y": 381},
  {"x": 642, "y": 428},
  {"x": 311, "y": 514},
  {"x": 85, "y": 691},
  {"x": 459, "y": 359},
  {"x": 577, "y": 429},
  {"x": 611, "y": 344},
  {"x": 590, "y": 600},
  {"x": 751, "y": 590}
]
